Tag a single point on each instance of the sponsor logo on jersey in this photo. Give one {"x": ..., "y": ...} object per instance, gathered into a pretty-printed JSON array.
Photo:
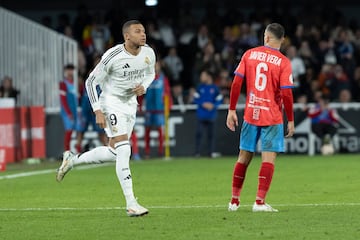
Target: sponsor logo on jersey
[{"x": 126, "y": 65}]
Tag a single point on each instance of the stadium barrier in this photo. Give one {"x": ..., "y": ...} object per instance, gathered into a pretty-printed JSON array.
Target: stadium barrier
[
  {"x": 22, "y": 133},
  {"x": 181, "y": 126},
  {"x": 9, "y": 144},
  {"x": 34, "y": 56}
]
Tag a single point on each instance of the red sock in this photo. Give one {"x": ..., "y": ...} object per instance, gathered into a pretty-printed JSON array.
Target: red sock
[
  {"x": 147, "y": 141},
  {"x": 67, "y": 140},
  {"x": 134, "y": 146},
  {"x": 238, "y": 180},
  {"x": 78, "y": 148},
  {"x": 265, "y": 176},
  {"x": 161, "y": 141}
]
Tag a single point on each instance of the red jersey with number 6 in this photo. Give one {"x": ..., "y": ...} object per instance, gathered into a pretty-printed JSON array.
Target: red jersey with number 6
[{"x": 266, "y": 71}]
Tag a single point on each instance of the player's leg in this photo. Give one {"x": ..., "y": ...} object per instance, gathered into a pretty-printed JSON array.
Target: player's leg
[
  {"x": 161, "y": 141},
  {"x": 81, "y": 127},
  {"x": 79, "y": 139},
  {"x": 124, "y": 123},
  {"x": 147, "y": 141},
  {"x": 211, "y": 137},
  {"x": 160, "y": 122},
  {"x": 238, "y": 178},
  {"x": 272, "y": 142},
  {"x": 198, "y": 136},
  {"x": 134, "y": 147},
  {"x": 68, "y": 127},
  {"x": 248, "y": 140},
  {"x": 67, "y": 139},
  {"x": 96, "y": 155},
  {"x": 148, "y": 123}
]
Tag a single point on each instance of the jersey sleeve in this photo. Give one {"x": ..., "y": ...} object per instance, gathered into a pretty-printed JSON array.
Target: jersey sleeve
[
  {"x": 240, "y": 70},
  {"x": 96, "y": 77},
  {"x": 150, "y": 71},
  {"x": 286, "y": 77}
]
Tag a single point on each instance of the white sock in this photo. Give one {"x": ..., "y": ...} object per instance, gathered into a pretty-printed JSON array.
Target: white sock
[
  {"x": 123, "y": 173},
  {"x": 97, "y": 155}
]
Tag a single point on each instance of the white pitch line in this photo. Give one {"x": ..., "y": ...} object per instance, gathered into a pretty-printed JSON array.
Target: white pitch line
[
  {"x": 175, "y": 207},
  {"x": 46, "y": 171}
]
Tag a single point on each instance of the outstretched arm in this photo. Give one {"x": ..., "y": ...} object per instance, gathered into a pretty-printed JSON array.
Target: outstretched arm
[
  {"x": 287, "y": 97},
  {"x": 232, "y": 120}
]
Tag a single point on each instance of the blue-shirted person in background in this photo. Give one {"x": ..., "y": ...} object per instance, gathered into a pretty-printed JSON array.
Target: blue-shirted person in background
[{"x": 207, "y": 98}]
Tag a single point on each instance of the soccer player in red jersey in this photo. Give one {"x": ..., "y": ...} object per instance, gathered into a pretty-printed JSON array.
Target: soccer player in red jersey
[{"x": 269, "y": 83}]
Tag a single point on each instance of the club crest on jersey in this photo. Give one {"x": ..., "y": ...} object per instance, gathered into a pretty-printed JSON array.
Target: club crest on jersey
[
  {"x": 147, "y": 60},
  {"x": 114, "y": 129},
  {"x": 291, "y": 79}
]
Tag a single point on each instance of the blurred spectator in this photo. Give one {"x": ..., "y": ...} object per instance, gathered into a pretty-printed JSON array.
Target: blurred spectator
[
  {"x": 175, "y": 65},
  {"x": 207, "y": 98},
  {"x": 213, "y": 39},
  {"x": 327, "y": 51},
  {"x": 339, "y": 81},
  {"x": 100, "y": 35},
  {"x": 208, "y": 60},
  {"x": 167, "y": 33},
  {"x": 346, "y": 52},
  {"x": 223, "y": 81},
  {"x": 344, "y": 96},
  {"x": 248, "y": 37},
  {"x": 7, "y": 90},
  {"x": 96, "y": 38},
  {"x": 202, "y": 38},
  {"x": 82, "y": 19},
  {"x": 135, "y": 154},
  {"x": 227, "y": 47},
  {"x": 63, "y": 21},
  {"x": 68, "y": 103},
  {"x": 298, "y": 67},
  {"x": 306, "y": 53},
  {"x": 154, "y": 39},
  {"x": 356, "y": 85},
  {"x": 46, "y": 21},
  {"x": 324, "y": 120},
  {"x": 155, "y": 107}
]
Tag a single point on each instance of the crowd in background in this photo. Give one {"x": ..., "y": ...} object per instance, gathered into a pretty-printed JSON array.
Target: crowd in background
[{"x": 323, "y": 45}]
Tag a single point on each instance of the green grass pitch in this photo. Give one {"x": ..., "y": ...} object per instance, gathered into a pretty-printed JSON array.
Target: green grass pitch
[{"x": 317, "y": 197}]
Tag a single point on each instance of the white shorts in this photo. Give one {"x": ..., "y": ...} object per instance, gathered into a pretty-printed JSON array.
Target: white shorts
[{"x": 120, "y": 115}]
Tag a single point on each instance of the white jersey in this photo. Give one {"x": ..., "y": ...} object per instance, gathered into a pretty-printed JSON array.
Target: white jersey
[{"x": 119, "y": 72}]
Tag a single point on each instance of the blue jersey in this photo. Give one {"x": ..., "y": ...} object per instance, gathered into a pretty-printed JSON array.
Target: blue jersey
[
  {"x": 154, "y": 97},
  {"x": 207, "y": 93}
]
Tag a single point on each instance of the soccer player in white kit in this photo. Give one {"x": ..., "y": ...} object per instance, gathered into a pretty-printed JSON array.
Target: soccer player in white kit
[{"x": 124, "y": 72}]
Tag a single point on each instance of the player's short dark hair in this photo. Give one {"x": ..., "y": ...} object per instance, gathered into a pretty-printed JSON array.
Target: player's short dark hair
[
  {"x": 276, "y": 29},
  {"x": 325, "y": 98},
  {"x": 127, "y": 24},
  {"x": 69, "y": 66}
]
